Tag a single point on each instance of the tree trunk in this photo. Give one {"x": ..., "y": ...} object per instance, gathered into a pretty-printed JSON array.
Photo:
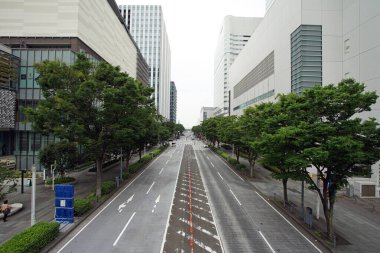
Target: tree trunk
[
  {"x": 99, "y": 165},
  {"x": 237, "y": 153},
  {"x": 330, "y": 220},
  {"x": 285, "y": 189},
  {"x": 140, "y": 153},
  {"x": 127, "y": 164}
]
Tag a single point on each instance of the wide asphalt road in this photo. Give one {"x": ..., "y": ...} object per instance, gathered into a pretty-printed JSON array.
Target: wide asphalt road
[
  {"x": 136, "y": 219},
  {"x": 246, "y": 221}
]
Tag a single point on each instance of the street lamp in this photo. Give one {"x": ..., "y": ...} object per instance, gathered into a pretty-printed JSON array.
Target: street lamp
[{"x": 33, "y": 209}]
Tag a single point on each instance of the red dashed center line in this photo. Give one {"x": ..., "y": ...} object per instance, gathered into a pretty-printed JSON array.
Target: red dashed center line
[{"x": 191, "y": 216}]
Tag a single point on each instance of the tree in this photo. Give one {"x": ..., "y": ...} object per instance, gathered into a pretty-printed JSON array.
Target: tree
[
  {"x": 338, "y": 145},
  {"x": 197, "y": 130},
  {"x": 77, "y": 107},
  {"x": 229, "y": 131},
  {"x": 210, "y": 129},
  {"x": 64, "y": 154}
]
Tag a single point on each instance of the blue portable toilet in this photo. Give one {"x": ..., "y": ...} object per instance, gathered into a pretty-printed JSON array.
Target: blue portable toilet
[{"x": 64, "y": 203}]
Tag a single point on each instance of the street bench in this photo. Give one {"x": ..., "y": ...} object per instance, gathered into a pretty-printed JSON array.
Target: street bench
[{"x": 15, "y": 207}]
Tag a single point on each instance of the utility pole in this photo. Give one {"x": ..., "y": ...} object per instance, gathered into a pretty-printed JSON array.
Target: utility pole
[
  {"x": 318, "y": 199},
  {"x": 33, "y": 210}
]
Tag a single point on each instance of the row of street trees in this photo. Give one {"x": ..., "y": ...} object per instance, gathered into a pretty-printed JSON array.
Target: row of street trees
[
  {"x": 317, "y": 129},
  {"x": 97, "y": 108}
]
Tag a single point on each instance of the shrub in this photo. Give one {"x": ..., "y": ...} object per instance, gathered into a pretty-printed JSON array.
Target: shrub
[
  {"x": 126, "y": 175},
  {"x": 81, "y": 206},
  {"x": 240, "y": 167},
  {"x": 60, "y": 180},
  {"x": 108, "y": 186},
  {"x": 226, "y": 146},
  {"x": 156, "y": 151},
  {"x": 134, "y": 167},
  {"x": 225, "y": 155},
  {"x": 232, "y": 161},
  {"x": 145, "y": 159},
  {"x": 32, "y": 239}
]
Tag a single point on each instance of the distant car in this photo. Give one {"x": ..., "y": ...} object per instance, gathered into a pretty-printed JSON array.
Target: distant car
[
  {"x": 173, "y": 143},
  {"x": 205, "y": 146}
]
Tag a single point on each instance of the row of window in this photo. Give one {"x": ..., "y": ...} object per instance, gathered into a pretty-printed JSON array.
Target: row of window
[{"x": 255, "y": 100}]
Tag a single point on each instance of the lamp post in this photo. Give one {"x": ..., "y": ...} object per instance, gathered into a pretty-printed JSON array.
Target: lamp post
[
  {"x": 33, "y": 209},
  {"x": 121, "y": 164}
]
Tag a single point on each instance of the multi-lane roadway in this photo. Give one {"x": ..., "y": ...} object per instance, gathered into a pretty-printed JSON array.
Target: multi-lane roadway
[{"x": 233, "y": 216}]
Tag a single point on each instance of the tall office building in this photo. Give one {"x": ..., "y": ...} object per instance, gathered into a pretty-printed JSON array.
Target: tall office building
[
  {"x": 59, "y": 30},
  {"x": 233, "y": 36},
  {"x": 9, "y": 76},
  {"x": 147, "y": 26},
  {"x": 313, "y": 43},
  {"x": 173, "y": 102}
]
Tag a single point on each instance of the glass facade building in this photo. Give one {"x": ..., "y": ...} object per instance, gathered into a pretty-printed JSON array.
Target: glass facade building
[
  {"x": 173, "y": 102},
  {"x": 147, "y": 27}
]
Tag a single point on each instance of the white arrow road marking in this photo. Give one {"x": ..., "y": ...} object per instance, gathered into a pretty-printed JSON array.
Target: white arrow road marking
[
  {"x": 156, "y": 201},
  {"x": 125, "y": 227},
  {"x": 125, "y": 204},
  {"x": 150, "y": 187}
]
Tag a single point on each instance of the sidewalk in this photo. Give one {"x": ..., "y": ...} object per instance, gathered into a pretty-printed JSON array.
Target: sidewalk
[
  {"x": 356, "y": 220},
  {"x": 45, "y": 197}
]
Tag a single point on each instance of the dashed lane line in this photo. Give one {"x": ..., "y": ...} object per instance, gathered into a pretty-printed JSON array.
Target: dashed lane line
[
  {"x": 150, "y": 187},
  {"x": 125, "y": 227},
  {"x": 235, "y": 197}
]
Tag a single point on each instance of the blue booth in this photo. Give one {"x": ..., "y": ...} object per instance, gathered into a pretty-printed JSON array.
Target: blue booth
[{"x": 64, "y": 203}]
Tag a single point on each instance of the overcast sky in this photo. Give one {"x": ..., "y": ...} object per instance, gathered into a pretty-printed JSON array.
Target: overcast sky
[{"x": 193, "y": 28}]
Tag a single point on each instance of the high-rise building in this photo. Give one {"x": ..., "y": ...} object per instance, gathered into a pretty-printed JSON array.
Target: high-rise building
[
  {"x": 147, "y": 26},
  {"x": 173, "y": 102},
  {"x": 56, "y": 31},
  {"x": 9, "y": 76},
  {"x": 313, "y": 43},
  {"x": 233, "y": 36}
]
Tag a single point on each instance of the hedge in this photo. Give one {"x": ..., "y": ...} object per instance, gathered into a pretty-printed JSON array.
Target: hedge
[
  {"x": 60, "y": 180},
  {"x": 32, "y": 239},
  {"x": 81, "y": 206},
  {"x": 108, "y": 186}
]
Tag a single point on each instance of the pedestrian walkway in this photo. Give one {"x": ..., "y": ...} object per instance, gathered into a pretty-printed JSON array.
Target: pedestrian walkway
[
  {"x": 356, "y": 220},
  {"x": 45, "y": 198}
]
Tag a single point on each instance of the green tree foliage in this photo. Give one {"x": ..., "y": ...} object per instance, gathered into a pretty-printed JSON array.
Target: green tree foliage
[
  {"x": 63, "y": 154},
  {"x": 338, "y": 144},
  {"x": 84, "y": 103}
]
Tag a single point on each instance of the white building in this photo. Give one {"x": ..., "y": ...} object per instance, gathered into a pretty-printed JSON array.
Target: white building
[
  {"x": 233, "y": 36},
  {"x": 147, "y": 26},
  {"x": 301, "y": 43},
  {"x": 206, "y": 113}
]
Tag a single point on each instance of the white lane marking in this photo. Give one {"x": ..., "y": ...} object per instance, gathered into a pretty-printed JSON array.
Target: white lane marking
[
  {"x": 167, "y": 162},
  {"x": 171, "y": 206},
  {"x": 235, "y": 197},
  {"x": 155, "y": 203},
  {"x": 208, "y": 158},
  {"x": 120, "y": 209},
  {"x": 150, "y": 187},
  {"x": 220, "y": 176},
  {"x": 230, "y": 168},
  {"x": 212, "y": 164},
  {"x": 265, "y": 239},
  {"x": 210, "y": 203},
  {"x": 125, "y": 227},
  {"x": 80, "y": 231},
  {"x": 161, "y": 171},
  {"x": 289, "y": 223}
]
